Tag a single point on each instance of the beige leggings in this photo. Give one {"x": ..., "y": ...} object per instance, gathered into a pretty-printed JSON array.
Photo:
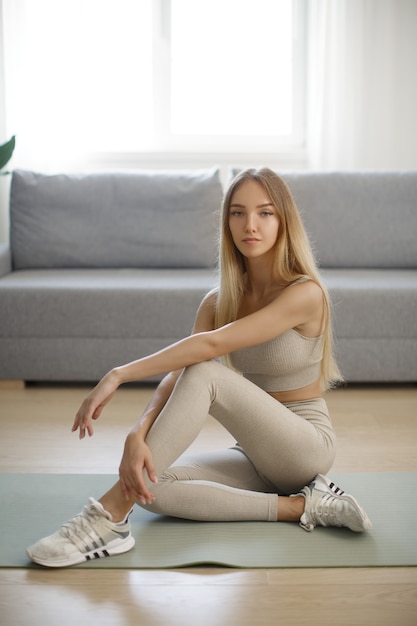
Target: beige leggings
[{"x": 281, "y": 448}]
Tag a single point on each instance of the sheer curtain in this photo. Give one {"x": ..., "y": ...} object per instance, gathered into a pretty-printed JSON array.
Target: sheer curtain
[
  {"x": 335, "y": 81},
  {"x": 362, "y": 84}
]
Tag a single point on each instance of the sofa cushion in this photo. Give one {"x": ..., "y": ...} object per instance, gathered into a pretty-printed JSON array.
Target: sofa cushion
[
  {"x": 358, "y": 219},
  {"x": 113, "y": 220},
  {"x": 162, "y": 303},
  {"x": 102, "y": 303},
  {"x": 373, "y": 303}
]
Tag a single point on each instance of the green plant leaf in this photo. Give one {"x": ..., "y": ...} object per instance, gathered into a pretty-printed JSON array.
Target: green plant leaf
[{"x": 6, "y": 151}]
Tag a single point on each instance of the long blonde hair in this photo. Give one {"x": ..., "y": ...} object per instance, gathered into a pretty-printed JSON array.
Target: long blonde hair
[{"x": 294, "y": 258}]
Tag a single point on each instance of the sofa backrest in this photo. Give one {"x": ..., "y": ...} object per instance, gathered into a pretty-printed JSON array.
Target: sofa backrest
[
  {"x": 141, "y": 219},
  {"x": 358, "y": 219},
  {"x": 168, "y": 219}
]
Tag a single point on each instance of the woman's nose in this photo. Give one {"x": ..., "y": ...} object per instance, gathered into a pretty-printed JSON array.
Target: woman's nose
[{"x": 250, "y": 225}]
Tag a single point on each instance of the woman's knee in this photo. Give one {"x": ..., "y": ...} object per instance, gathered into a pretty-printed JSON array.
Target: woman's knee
[{"x": 204, "y": 371}]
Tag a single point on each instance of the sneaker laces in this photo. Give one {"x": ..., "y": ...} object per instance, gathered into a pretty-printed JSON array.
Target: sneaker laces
[
  {"x": 325, "y": 513},
  {"x": 82, "y": 525}
]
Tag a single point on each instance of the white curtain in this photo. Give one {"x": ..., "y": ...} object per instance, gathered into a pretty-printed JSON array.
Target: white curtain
[{"x": 362, "y": 86}]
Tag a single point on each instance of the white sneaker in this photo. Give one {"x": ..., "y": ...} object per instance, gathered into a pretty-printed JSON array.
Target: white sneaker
[
  {"x": 89, "y": 535},
  {"x": 327, "y": 505}
]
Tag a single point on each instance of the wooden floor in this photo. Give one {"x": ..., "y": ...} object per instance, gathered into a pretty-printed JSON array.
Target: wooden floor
[{"x": 377, "y": 431}]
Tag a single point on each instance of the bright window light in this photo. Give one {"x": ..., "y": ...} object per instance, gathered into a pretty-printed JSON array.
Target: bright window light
[
  {"x": 231, "y": 67},
  {"x": 80, "y": 72},
  {"x": 152, "y": 75}
]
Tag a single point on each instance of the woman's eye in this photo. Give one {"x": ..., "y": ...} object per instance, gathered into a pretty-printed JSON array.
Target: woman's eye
[
  {"x": 266, "y": 213},
  {"x": 236, "y": 213}
]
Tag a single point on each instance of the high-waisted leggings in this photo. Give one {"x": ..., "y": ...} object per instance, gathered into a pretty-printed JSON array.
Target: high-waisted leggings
[{"x": 279, "y": 450}]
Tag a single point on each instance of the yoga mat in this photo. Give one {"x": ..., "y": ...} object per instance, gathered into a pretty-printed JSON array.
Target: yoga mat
[{"x": 35, "y": 505}]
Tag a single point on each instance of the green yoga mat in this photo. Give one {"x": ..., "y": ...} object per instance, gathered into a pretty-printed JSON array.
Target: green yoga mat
[{"x": 35, "y": 505}]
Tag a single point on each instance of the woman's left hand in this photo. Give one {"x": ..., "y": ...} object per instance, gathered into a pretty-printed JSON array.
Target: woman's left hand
[{"x": 94, "y": 403}]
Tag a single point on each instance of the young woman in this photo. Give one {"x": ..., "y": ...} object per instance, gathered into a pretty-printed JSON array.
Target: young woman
[{"x": 258, "y": 360}]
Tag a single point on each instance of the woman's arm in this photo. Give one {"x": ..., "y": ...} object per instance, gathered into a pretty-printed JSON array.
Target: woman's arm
[{"x": 292, "y": 308}]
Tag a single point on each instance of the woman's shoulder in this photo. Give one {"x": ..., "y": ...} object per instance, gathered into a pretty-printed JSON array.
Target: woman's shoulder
[
  {"x": 206, "y": 312},
  {"x": 308, "y": 284},
  {"x": 210, "y": 299},
  {"x": 302, "y": 296}
]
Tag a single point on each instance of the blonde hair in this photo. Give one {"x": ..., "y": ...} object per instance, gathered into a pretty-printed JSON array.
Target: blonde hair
[{"x": 294, "y": 258}]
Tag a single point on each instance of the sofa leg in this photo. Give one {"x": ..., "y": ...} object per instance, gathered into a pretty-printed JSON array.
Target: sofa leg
[{"x": 12, "y": 384}]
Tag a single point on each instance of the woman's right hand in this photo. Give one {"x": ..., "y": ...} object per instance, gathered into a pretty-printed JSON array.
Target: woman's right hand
[
  {"x": 94, "y": 403},
  {"x": 137, "y": 459}
]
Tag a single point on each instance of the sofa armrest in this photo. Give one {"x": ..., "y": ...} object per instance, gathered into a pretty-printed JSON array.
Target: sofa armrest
[{"x": 5, "y": 259}]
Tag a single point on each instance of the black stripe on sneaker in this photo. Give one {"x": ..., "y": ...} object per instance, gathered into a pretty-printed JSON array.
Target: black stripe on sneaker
[
  {"x": 98, "y": 555},
  {"x": 336, "y": 489}
]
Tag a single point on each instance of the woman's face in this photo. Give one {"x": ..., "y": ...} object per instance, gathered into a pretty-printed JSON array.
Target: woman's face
[{"x": 253, "y": 220}]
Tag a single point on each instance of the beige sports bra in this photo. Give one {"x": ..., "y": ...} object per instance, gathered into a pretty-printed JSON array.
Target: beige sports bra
[{"x": 289, "y": 361}]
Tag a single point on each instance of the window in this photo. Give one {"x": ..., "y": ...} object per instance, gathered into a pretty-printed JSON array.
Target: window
[
  {"x": 155, "y": 75},
  {"x": 231, "y": 69}
]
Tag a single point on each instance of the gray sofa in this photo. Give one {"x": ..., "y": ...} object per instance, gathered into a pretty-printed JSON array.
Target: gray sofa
[{"x": 105, "y": 268}]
